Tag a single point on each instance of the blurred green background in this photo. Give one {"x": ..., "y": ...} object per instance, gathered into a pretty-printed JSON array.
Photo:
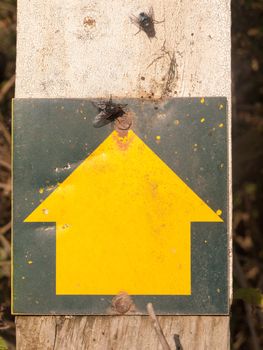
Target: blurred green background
[{"x": 247, "y": 77}]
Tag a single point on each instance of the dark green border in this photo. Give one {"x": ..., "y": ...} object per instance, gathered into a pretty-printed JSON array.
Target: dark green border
[{"x": 49, "y": 134}]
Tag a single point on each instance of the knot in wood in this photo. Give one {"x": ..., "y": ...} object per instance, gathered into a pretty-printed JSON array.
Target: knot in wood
[{"x": 89, "y": 21}]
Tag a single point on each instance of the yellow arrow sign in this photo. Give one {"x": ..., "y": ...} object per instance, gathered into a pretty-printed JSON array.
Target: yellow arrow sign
[{"x": 123, "y": 222}]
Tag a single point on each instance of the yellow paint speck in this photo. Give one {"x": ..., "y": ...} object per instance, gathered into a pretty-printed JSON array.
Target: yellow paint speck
[
  {"x": 221, "y": 106},
  {"x": 41, "y": 190},
  {"x": 221, "y": 125},
  {"x": 30, "y": 262},
  {"x": 202, "y": 120},
  {"x": 219, "y": 212},
  {"x": 50, "y": 188},
  {"x": 202, "y": 100},
  {"x": 176, "y": 122},
  {"x": 158, "y": 137}
]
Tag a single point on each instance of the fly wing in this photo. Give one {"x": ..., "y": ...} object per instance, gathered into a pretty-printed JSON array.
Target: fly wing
[
  {"x": 135, "y": 20},
  {"x": 100, "y": 105},
  {"x": 122, "y": 105},
  {"x": 101, "y": 120},
  {"x": 151, "y": 13}
]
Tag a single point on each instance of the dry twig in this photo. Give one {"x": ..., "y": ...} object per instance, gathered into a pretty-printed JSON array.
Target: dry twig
[
  {"x": 5, "y": 164},
  {"x": 6, "y": 187},
  {"x": 239, "y": 275},
  {"x": 177, "y": 342},
  {"x": 5, "y": 132},
  {"x": 6, "y": 245},
  {"x": 5, "y": 228},
  {"x": 6, "y": 87},
  {"x": 157, "y": 327}
]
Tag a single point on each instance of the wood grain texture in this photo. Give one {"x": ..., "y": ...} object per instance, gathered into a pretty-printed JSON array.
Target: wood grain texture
[
  {"x": 119, "y": 333},
  {"x": 60, "y": 55},
  {"x": 88, "y": 49}
]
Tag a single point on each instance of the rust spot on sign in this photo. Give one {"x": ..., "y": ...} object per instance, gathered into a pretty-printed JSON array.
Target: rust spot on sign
[
  {"x": 122, "y": 125},
  {"x": 122, "y": 303},
  {"x": 123, "y": 139}
]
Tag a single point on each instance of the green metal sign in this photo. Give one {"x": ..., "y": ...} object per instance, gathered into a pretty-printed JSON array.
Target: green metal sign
[{"x": 117, "y": 204}]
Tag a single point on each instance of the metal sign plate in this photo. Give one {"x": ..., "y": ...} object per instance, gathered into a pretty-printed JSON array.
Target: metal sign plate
[{"x": 107, "y": 221}]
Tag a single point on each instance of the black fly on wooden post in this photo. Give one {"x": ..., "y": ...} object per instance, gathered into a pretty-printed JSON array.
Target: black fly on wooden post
[
  {"x": 145, "y": 22},
  {"x": 108, "y": 112}
]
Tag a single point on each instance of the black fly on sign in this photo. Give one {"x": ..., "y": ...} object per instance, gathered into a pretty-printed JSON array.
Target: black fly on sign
[
  {"x": 145, "y": 22},
  {"x": 108, "y": 112}
]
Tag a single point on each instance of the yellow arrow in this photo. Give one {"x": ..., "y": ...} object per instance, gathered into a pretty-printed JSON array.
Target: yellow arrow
[{"x": 123, "y": 222}]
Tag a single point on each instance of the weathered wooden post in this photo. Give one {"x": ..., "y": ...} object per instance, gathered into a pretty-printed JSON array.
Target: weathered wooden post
[{"x": 88, "y": 49}]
